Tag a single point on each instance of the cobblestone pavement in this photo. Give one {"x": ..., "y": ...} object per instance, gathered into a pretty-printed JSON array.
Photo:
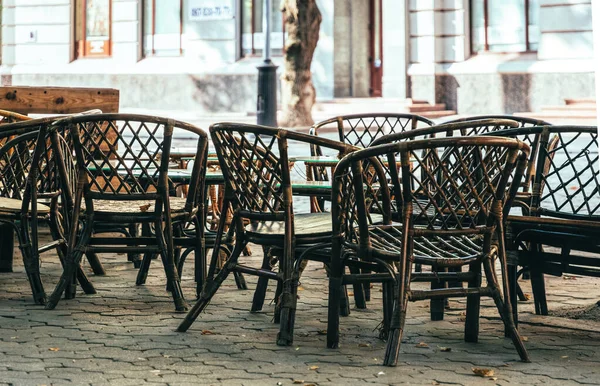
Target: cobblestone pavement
[{"x": 126, "y": 335}]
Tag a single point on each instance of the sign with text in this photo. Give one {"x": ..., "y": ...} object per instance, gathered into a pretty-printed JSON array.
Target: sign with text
[{"x": 200, "y": 10}]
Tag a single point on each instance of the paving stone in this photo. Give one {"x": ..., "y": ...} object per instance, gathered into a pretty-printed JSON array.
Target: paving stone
[{"x": 125, "y": 335}]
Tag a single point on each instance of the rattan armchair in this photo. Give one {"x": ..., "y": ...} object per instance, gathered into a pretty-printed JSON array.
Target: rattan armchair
[
  {"x": 564, "y": 211},
  {"x": 254, "y": 162},
  {"x": 452, "y": 198},
  {"x": 31, "y": 192},
  {"x": 122, "y": 162}
]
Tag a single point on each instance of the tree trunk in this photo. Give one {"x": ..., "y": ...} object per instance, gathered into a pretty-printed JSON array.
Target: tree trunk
[{"x": 302, "y": 21}]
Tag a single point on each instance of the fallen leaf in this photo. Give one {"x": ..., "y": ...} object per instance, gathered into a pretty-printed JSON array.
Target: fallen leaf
[
  {"x": 574, "y": 187},
  {"x": 54, "y": 349},
  {"x": 144, "y": 208},
  {"x": 493, "y": 379},
  {"x": 322, "y": 332},
  {"x": 297, "y": 381},
  {"x": 313, "y": 367},
  {"x": 527, "y": 296},
  {"x": 422, "y": 345},
  {"x": 564, "y": 356},
  {"x": 207, "y": 332},
  {"x": 364, "y": 345},
  {"x": 310, "y": 384},
  {"x": 445, "y": 349},
  {"x": 525, "y": 339},
  {"x": 297, "y": 348},
  {"x": 569, "y": 277},
  {"x": 300, "y": 288},
  {"x": 166, "y": 356},
  {"x": 155, "y": 371},
  {"x": 483, "y": 372},
  {"x": 350, "y": 293}
]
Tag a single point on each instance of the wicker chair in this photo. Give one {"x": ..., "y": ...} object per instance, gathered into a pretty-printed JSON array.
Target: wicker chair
[
  {"x": 564, "y": 209},
  {"x": 464, "y": 186},
  {"x": 254, "y": 161},
  {"x": 30, "y": 192},
  {"x": 122, "y": 162}
]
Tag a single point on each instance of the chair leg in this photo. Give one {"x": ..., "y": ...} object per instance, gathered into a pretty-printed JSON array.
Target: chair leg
[
  {"x": 6, "y": 247},
  {"x": 210, "y": 288},
  {"x": 504, "y": 307},
  {"x": 388, "y": 307},
  {"x": 538, "y": 287},
  {"x": 514, "y": 288},
  {"x": 436, "y": 306},
  {"x": 144, "y": 267},
  {"x": 396, "y": 329},
  {"x": 263, "y": 282},
  {"x": 240, "y": 281},
  {"x": 31, "y": 261},
  {"x": 289, "y": 301},
  {"x": 277, "y": 312},
  {"x": 95, "y": 263},
  {"x": 72, "y": 261},
  {"x": 62, "y": 251},
  {"x": 167, "y": 255},
  {"x": 134, "y": 257},
  {"x": 359, "y": 293},
  {"x": 473, "y": 306},
  {"x": 333, "y": 316}
]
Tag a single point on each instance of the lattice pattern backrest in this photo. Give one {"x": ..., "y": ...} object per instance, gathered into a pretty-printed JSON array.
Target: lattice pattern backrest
[
  {"x": 358, "y": 194},
  {"x": 454, "y": 186},
  {"x": 568, "y": 172},
  {"x": 122, "y": 156},
  {"x": 363, "y": 130},
  {"x": 16, "y": 158},
  {"x": 252, "y": 166},
  {"x": 529, "y": 139}
]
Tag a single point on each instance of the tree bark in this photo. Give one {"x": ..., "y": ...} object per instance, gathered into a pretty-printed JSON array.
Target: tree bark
[{"x": 302, "y": 21}]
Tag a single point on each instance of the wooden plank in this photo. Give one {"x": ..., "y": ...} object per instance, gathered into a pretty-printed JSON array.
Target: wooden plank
[{"x": 58, "y": 100}]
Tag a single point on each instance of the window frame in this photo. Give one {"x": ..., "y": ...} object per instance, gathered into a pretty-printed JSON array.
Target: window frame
[
  {"x": 81, "y": 47},
  {"x": 152, "y": 51},
  {"x": 486, "y": 45},
  {"x": 254, "y": 53}
]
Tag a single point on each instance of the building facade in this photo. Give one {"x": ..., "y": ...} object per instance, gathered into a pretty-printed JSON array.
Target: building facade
[{"x": 477, "y": 56}]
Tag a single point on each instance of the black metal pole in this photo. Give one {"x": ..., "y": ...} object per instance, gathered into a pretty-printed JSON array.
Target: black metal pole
[{"x": 266, "y": 102}]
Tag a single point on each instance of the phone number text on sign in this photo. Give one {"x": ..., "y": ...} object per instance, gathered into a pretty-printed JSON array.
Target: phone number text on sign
[{"x": 210, "y": 10}]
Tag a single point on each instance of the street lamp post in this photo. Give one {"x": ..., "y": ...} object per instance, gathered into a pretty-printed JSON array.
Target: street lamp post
[{"x": 266, "y": 103}]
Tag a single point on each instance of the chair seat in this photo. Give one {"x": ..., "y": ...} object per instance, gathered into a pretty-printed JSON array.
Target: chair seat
[
  {"x": 305, "y": 224},
  {"x": 442, "y": 251},
  {"x": 13, "y": 205},
  {"x": 134, "y": 207}
]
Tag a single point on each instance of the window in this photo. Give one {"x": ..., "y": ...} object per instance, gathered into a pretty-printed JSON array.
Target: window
[
  {"x": 253, "y": 38},
  {"x": 504, "y": 25},
  {"x": 163, "y": 27},
  {"x": 93, "y": 27}
]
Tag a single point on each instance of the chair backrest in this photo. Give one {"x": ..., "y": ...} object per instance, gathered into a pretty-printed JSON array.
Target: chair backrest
[
  {"x": 567, "y": 180},
  {"x": 362, "y": 129},
  {"x": 255, "y": 164},
  {"x": 17, "y": 159},
  {"x": 126, "y": 156},
  {"x": 449, "y": 185}
]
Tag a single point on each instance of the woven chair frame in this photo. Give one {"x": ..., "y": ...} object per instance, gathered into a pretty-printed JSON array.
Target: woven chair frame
[
  {"x": 125, "y": 158},
  {"x": 465, "y": 190}
]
